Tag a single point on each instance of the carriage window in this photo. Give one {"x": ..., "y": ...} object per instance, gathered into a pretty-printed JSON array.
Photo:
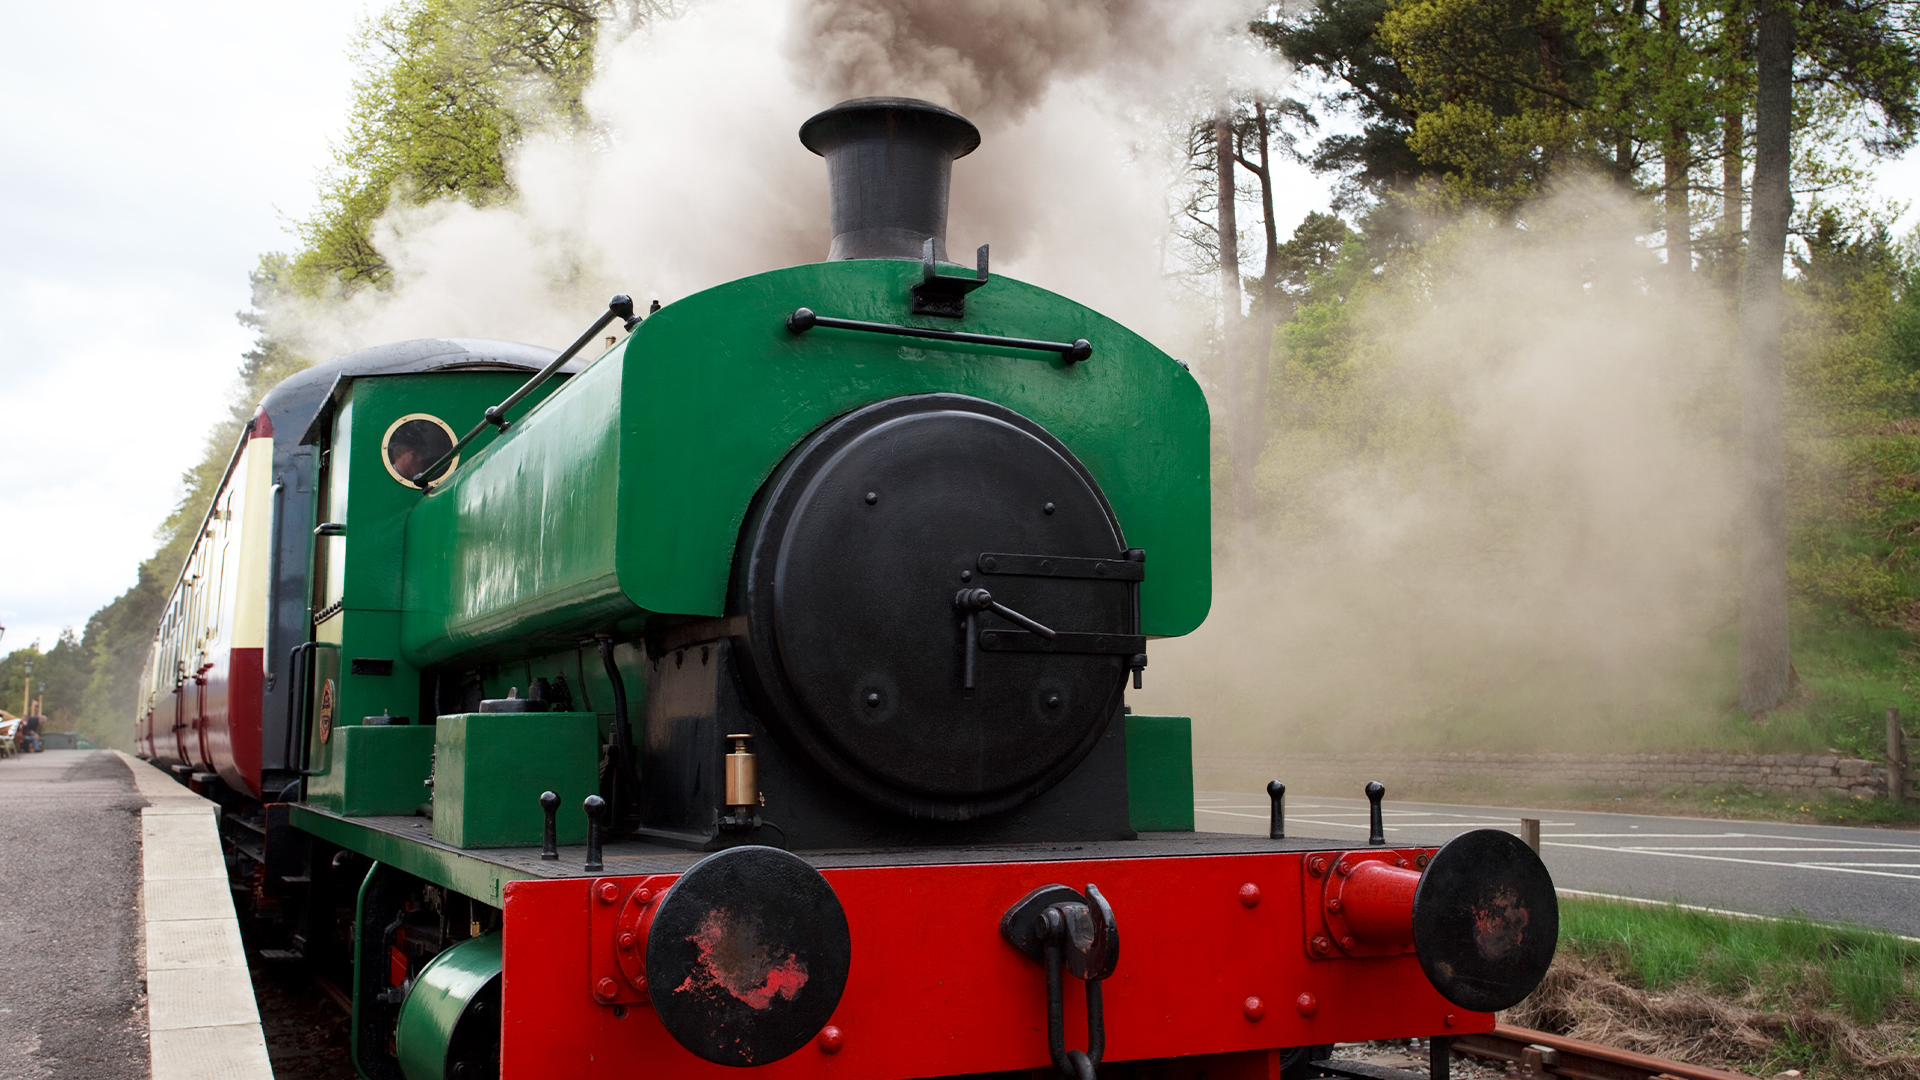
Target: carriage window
[{"x": 413, "y": 443}]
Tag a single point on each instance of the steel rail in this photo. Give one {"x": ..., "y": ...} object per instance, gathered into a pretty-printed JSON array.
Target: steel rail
[{"x": 1540, "y": 1054}]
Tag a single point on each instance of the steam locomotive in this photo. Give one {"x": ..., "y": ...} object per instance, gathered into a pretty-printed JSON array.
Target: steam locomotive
[{"x": 753, "y": 695}]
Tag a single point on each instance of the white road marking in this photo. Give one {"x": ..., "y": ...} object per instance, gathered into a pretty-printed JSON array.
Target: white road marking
[
  {"x": 1859, "y": 844},
  {"x": 1399, "y": 821},
  {"x": 1294, "y": 819},
  {"x": 1653, "y": 836},
  {"x": 1781, "y": 850},
  {"x": 1719, "y": 858}
]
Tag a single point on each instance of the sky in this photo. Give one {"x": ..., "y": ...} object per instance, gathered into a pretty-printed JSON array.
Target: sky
[{"x": 153, "y": 153}]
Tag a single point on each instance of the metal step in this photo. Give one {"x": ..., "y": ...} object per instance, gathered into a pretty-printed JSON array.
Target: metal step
[{"x": 258, "y": 828}]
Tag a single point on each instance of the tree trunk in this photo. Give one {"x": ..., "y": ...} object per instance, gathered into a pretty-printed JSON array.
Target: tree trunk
[
  {"x": 1765, "y": 663},
  {"x": 1676, "y": 155},
  {"x": 1232, "y": 335},
  {"x": 1271, "y": 267},
  {"x": 1731, "y": 199},
  {"x": 1260, "y": 345},
  {"x": 1679, "y": 212},
  {"x": 1229, "y": 228}
]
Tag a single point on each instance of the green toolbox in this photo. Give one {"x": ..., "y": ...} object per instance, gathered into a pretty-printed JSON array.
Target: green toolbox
[
  {"x": 373, "y": 769},
  {"x": 490, "y": 768}
]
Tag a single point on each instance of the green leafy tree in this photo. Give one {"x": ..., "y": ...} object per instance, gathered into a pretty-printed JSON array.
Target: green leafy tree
[
  {"x": 447, "y": 89},
  {"x": 1338, "y": 41},
  {"x": 1868, "y": 51},
  {"x": 14, "y": 688},
  {"x": 1500, "y": 91}
]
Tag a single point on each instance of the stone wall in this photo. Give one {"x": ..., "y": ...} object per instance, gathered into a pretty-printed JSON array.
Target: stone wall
[{"x": 1793, "y": 775}]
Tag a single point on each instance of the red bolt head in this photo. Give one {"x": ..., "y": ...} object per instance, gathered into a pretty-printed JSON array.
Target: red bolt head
[
  {"x": 626, "y": 941},
  {"x": 1333, "y": 903},
  {"x": 1307, "y": 1004},
  {"x": 609, "y": 891},
  {"x": 1316, "y": 866},
  {"x": 1249, "y": 895},
  {"x": 643, "y": 895},
  {"x": 1321, "y": 945},
  {"x": 1345, "y": 867},
  {"x": 830, "y": 1040},
  {"x": 1254, "y": 1008},
  {"x": 607, "y": 988},
  {"x": 1348, "y": 944},
  {"x": 1448, "y": 1020},
  {"x": 1420, "y": 860},
  {"x": 1401, "y": 863}
]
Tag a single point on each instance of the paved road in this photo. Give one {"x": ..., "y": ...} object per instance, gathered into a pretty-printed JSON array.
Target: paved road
[
  {"x": 1829, "y": 872},
  {"x": 71, "y": 1003}
]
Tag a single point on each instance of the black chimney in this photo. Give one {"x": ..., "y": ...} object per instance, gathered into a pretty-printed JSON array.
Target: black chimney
[{"x": 889, "y": 162}]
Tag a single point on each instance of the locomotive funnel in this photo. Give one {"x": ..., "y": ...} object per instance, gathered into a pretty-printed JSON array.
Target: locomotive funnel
[{"x": 889, "y": 164}]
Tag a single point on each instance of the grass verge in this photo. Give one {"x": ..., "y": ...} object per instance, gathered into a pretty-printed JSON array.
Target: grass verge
[{"x": 1753, "y": 995}]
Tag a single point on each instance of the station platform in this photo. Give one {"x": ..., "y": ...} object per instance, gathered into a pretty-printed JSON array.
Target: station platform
[{"x": 120, "y": 954}]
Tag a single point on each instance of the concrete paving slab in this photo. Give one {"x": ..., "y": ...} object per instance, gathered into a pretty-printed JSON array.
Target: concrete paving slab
[
  {"x": 196, "y": 998},
  {"x": 194, "y": 943},
  {"x": 154, "y": 784},
  {"x": 232, "y": 1052},
  {"x": 187, "y": 898},
  {"x": 193, "y": 844},
  {"x": 180, "y": 828}
]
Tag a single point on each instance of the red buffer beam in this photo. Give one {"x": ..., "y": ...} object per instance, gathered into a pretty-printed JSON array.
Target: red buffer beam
[{"x": 1215, "y": 959}]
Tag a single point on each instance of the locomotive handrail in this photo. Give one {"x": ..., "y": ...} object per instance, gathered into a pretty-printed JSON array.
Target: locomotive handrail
[
  {"x": 620, "y": 307},
  {"x": 804, "y": 319}
]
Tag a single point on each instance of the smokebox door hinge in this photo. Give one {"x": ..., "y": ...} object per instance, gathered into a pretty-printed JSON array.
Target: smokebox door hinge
[{"x": 937, "y": 294}]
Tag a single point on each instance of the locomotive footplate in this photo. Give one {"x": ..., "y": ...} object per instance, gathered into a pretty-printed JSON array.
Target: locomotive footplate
[{"x": 407, "y": 842}]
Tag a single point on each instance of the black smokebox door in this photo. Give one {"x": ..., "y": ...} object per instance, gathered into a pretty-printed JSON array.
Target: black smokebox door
[
  {"x": 871, "y": 530},
  {"x": 747, "y": 956}
]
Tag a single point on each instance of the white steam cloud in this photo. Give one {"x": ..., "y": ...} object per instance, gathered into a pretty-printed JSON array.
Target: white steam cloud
[
  {"x": 1510, "y": 524},
  {"x": 1531, "y": 541},
  {"x": 696, "y": 174}
]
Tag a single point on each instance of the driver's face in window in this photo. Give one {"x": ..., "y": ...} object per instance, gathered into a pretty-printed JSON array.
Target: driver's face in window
[{"x": 415, "y": 445}]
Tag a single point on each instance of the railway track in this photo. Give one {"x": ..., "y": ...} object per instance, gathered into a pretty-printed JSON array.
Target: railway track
[
  {"x": 1524, "y": 1052},
  {"x": 1536, "y": 1053}
]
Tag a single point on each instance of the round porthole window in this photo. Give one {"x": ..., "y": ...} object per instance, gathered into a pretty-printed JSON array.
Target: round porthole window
[{"x": 413, "y": 443}]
